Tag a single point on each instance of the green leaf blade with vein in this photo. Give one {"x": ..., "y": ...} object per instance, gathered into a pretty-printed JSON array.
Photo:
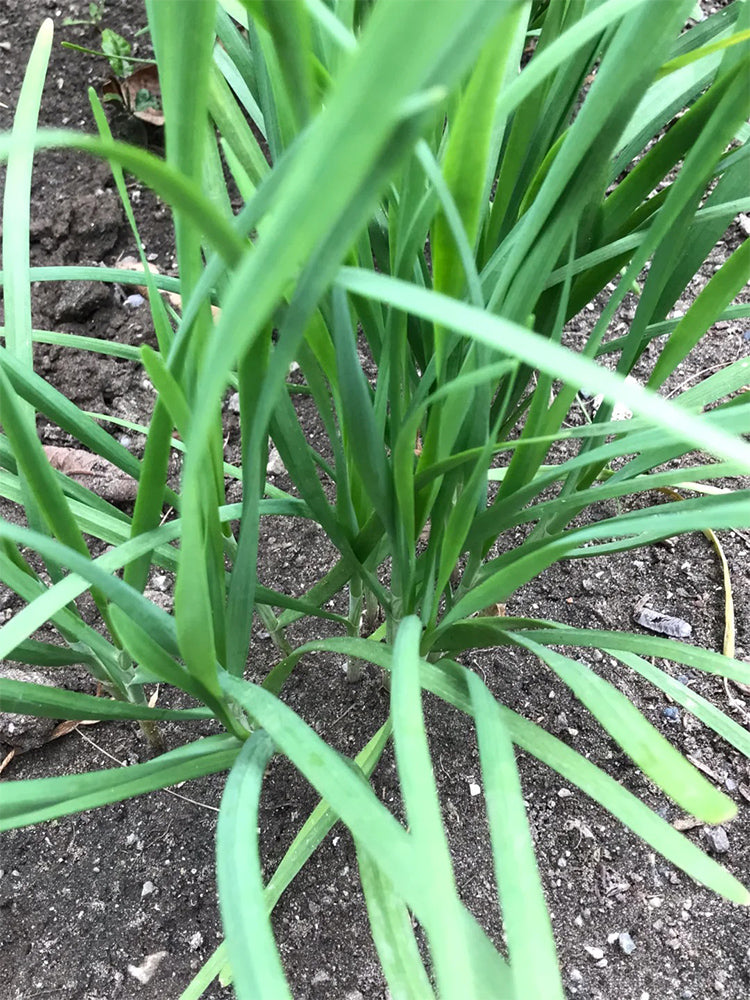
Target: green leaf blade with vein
[
  {"x": 528, "y": 930},
  {"x": 254, "y": 958},
  {"x": 656, "y": 757}
]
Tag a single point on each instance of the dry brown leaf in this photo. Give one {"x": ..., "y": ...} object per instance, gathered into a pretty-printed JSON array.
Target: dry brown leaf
[
  {"x": 68, "y": 726},
  {"x": 174, "y": 299},
  {"x": 140, "y": 93},
  {"x": 93, "y": 472},
  {"x": 703, "y": 767},
  {"x": 493, "y": 611}
]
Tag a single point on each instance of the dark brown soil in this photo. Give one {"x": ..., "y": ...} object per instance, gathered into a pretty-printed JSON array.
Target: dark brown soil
[{"x": 84, "y": 898}]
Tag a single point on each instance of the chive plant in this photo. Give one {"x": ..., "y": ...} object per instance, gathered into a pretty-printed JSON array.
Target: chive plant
[{"x": 410, "y": 194}]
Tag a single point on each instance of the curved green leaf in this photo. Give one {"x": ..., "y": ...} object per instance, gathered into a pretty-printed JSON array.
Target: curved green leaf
[
  {"x": 256, "y": 965},
  {"x": 38, "y": 799}
]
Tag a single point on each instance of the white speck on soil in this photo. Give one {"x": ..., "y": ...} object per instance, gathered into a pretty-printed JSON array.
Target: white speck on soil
[{"x": 145, "y": 971}]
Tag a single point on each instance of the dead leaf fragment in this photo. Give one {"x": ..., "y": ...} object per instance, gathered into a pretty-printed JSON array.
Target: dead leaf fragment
[
  {"x": 93, "y": 472},
  {"x": 492, "y": 611},
  {"x": 174, "y": 299},
  {"x": 68, "y": 726},
  {"x": 140, "y": 93},
  {"x": 696, "y": 762}
]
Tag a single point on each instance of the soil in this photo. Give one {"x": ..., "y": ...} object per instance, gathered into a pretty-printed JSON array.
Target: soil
[{"x": 84, "y": 901}]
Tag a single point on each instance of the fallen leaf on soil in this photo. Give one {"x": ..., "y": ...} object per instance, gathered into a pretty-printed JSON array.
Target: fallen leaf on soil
[
  {"x": 493, "y": 611},
  {"x": 97, "y": 474},
  {"x": 174, "y": 299},
  {"x": 140, "y": 93},
  {"x": 68, "y": 726},
  {"x": 702, "y": 767}
]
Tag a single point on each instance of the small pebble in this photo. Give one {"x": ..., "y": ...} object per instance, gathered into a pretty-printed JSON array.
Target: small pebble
[
  {"x": 134, "y": 301},
  {"x": 148, "y": 888},
  {"x": 576, "y": 976},
  {"x": 474, "y": 788},
  {"x": 671, "y": 713},
  {"x": 683, "y": 679},
  {"x": 595, "y": 953},
  {"x": 717, "y": 839},
  {"x": 275, "y": 466},
  {"x": 195, "y": 941},
  {"x": 627, "y": 944}
]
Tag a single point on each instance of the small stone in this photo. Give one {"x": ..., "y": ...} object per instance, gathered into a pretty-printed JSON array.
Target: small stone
[
  {"x": 611, "y": 938},
  {"x": 730, "y": 784},
  {"x": 717, "y": 839},
  {"x": 596, "y": 953},
  {"x": 576, "y": 976},
  {"x": 719, "y": 986},
  {"x": 321, "y": 976},
  {"x": 564, "y": 793},
  {"x": 148, "y": 888},
  {"x": 195, "y": 941},
  {"x": 145, "y": 971},
  {"x": 474, "y": 789},
  {"x": 134, "y": 301},
  {"x": 671, "y": 713},
  {"x": 234, "y": 403},
  {"x": 275, "y": 466},
  {"x": 627, "y": 944}
]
